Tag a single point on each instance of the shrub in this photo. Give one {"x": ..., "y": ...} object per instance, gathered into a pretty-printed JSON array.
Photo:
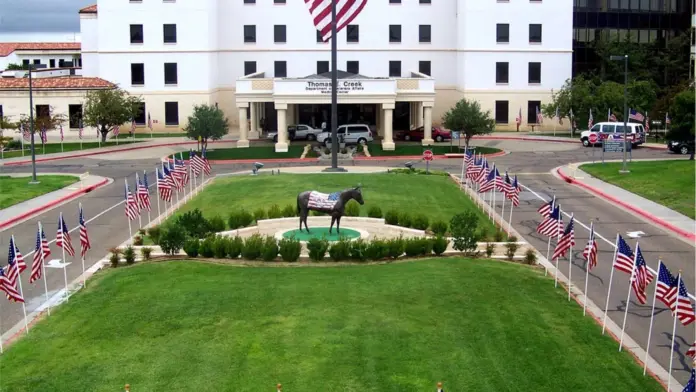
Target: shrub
[
  {"x": 289, "y": 211},
  {"x": 498, "y": 236},
  {"x": 274, "y": 212},
  {"x": 405, "y": 219},
  {"x": 191, "y": 247},
  {"x": 252, "y": 247},
  {"x": 142, "y": 232},
  {"x": 317, "y": 248},
  {"x": 234, "y": 247},
  {"x": 463, "y": 231},
  {"x": 172, "y": 239},
  {"x": 352, "y": 208},
  {"x": 238, "y": 219},
  {"x": 316, "y": 213},
  {"x": 217, "y": 224},
  {"x": 340, "y": 250},
  {"x": 511, "y": 247},
  {"x": 207, "y": 247},
  {"x": 259, "y": 214},
  {"x": 374, "y": 212},
  {"x": 412, "y": 247},
  {"x": 137, "y": 240},
  {"x": 530, "y": 257},
  {"x": 154, "y": 233},
  {"x": 484, "y": 234},
  {"x": 193, "y": 224},
  {"x": 289, "y": 249},
  {"x": 377, "y": 249},
  {"x": 421, "y": 222},
  {"x": 439, "y": 245},
  {"x": 490, "y": 249},
  {"x": 220, "y": 247},
  {"x": 115, "y": 257},
  {"x": 270, "y": 248},
  {"x": 391, "y": 217},
  {"x": 395, "y": 247},
  {"x": 439, "y": 227},
  {"x": 129, "y": 255},
  {"x": 358, "y": 249},
  {"x": 146, "y": 252}
]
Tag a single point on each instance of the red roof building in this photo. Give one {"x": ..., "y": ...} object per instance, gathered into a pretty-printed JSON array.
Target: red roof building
[{"x": 8, "y": 48}]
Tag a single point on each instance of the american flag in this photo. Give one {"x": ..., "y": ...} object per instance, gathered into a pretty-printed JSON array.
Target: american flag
[
  {"x": 500, "y": 181},
  {"x": 61, "y": 132},
  {"x": 132, "y": 131},
  {"x": 143, "y": 194},
  {"x": 180, "y": 168},
  {"x": 552, "y": 225},
  {"x": 635, "y": 115},
  {"x": 164, "y": 185},
  {"x": 590, "y": 121},
  {"x": 641, "y": 276},
  {"x": 624, "y": 256},
  {"x": 590, "y": 251},
  {"x": 206, "y": 167},
  {"x": 612, "y": 117},
  {"x": 566, "y": 242},
  {"x": 483, "y": 172},
  {"x": 539, "y": 116},
  {"x": 41, "y": 252},
  {"x": 518, "y": 119},
  {"x": 44, "y": 135},
  {"x": 489, "y": 183},
  {"x": 473, "y": 169},
  {"x": 666, "y": 286},
  {"x": 691, "y": 385},
  {"x": 26, "y": 134},
  {"x": 320, "y": 11},
  {"x": 691, "y": 352},
  {"x": 131, "y": 206},
  {"x": 63, "y": 237},
  {"x": 647, "y": 122},
  {"x": 507, "y": 186},
  {"x": 545, "y": 210},
  {"x": 668, "y": 120},
  {"x": 468, "y": 157},
  {"x": 149, "y": 121},
  {"x": 16, "y": 261},
  {"x": 684, "y": 307},
  {"x": 196, "y": 163},
  {"x": 79, "y": 132},
  {"x": 516, "y": 189},
  {"x": 84, "y": 238},
  {"x": 9, "y": 289},
  {"x": 116, "y": 129},
  {"x": 323, "y": 201}
]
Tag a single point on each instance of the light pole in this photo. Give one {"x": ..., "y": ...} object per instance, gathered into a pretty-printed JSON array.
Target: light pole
[
  {"x": 31, "y": 131},
  {"x": 624, "y": 58}
]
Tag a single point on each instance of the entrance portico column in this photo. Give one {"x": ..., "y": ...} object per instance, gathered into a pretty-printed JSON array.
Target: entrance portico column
[
  {"x": 243, "y": 134},
  {"x": 428, "y": 124},
  {"x": 379, "y": 127},
  {"x": 282, "y": 144},
  {"x": 388, "y": 141},
  {"x": 419, "y": 114},
  {"x": 254, "y": 119}
]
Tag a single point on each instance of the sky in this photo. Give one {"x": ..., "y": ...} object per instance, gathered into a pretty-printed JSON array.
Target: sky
[{"x": 38, "y": 16}]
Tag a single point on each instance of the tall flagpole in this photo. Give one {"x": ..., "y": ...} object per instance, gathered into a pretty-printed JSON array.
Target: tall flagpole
[
  {"x": 587, "y": 271},
  {"x": 570, "y": 261},
  {"x": 21, "y": 292},
  {"x": 130, "y": 229},
  {"x": 157, "y": 194},
  {"x": 558, "y": 234},
  {"x": 1, "y": 350},
  {"x": 43, "y": 269},
  {"x": 190, "y": 180},
  {"x": 137, "y": 197},
  {"x": 611, "y": 276},
  {"x": 502, "y": 213},
  {"x": 674, "y": 332},
  {"x": 652, "y": 316},
  {"x": 84, "y": 274},
  {"x": 512, "y": 205},
  {"x": 147, "y": 188},
  {"x": 548, "y": 245},
  {"x": 461, "y": 178},
  {"x": 628, "y": 297},
  {"x": 65, "y": 272}
]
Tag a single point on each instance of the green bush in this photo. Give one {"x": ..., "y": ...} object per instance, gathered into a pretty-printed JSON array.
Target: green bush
[
  {"x": 340, "y": 250},
  {"x": 193, "y": 224},
  {"x": 146, "y": 252},
  {"x": 317, "y": 248},
  {"x": 290, "y": 249},
  {"x": 484, "y": 234},
  {"x": 412, "y": 247},
  {"x": 239, "y": 219},
  {"x": 259, "y": 214},
  {"x": 115, "y": 257},
  {"x": 391, "y": 217},
  {"x": 395, "y": 247},
  {"x": 511, "y": 247},
  {"x": 358, "y": 249},
  {"x": 129, "y": 255},
  {"x": 172, "y": 239},
  {"x": 253, "y": 246},
  {"x": 498, "y": 236},
  {"x": 440, "y": 245},
  {"x": 377, "y": 249},
  {"x": 154, "y": 232},
  {"x": 137, "y": 240},
  {"x": 207, "y": 247},
  {"x": 191, "y": 247},
  {"x": 490, "y": 249},
  {"x": 352, "y": 208},
  {"x": 374, "y": 212},
  {"x": 217, "y": 224},
  {"x": 289, "y": 211},
  {"x": 220, "y": 247},
  {"x": 316, "y": 213},
  {"x": 234, "y": 247},
  {"x": 405, "y": 220},
  {"x": 530, "y": 257},
  {"x": 439, "y": 227},
  {"x": 269, "y": 252},
  {"x": 421, "y": 222},
  {"x": 463, "y": 229},
  {"x": 274, "y": 212}
]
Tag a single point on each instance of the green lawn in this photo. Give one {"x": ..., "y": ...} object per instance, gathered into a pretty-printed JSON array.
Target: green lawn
[
  {"x": 670, "y": 183},
  {"x": 139, "y": 135},
  {"x": 55, "y": 147},
  {"x": 475, "y": 325},
  {"x": 17, "y": 189},
  {"x": 415, "y": 149},
  {"x": 255, "y": 152}
]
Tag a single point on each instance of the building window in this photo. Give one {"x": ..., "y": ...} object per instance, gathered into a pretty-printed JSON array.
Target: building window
[
  {"x": 138, "y": 74},
  {"x": 61, "y": 63},
  {"x": 249, "y": 67},
  {"x": 424, "y": 33},
  {"x": 280, "y": 69},
  {"x": 25, "y": 63},
  {"x": 353, "y": 67},
  {"x": 501, "y": 73},
  {"x": 319, "y": 38},
  {"x": 424, "y": 67},
  {"x": 74, "y": 115},
  {"x": 171, "y": 113},
  {"x": 531, "y": 111},
  {"x": 502, "y": 31},
  {"x": 37, "y": 61},
  {"x": 353, "y": 33},
  {"x": 249, "y": 33},
  {"x": 278, "y": 1},
  {"x": 424, "y": 1},
  {"x": 52, "y": 63},
  {"x": 169, "y": 33},
  {"x": 395, "y": 69},
  {"x": 394, "y": 1},
  {"x": 394, "y": 33},
  {"x": 136, "y": 34},
  {"x": 535, "y": 33},
  {"x": 534, "y": 73},
  {"x": 279, "y": 33},
  {"x": 1, "y": 115},
  {"x": 43, "y": 111},
  {"x": 170, "y": 74},
  {"x": 322, "y": 67},
  {"x": 140, "y": 117},
  {"x": 249, "y": 1},
  {"x": 501, "y": 112}
]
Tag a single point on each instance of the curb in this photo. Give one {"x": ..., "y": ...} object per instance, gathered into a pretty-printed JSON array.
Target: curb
[
  {"x": 646, "y": 215},
  {"x": 541, "y": 138},
  {"x": 52, "y": 204}
]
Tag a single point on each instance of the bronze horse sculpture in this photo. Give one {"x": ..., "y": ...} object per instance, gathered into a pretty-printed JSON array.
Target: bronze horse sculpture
[{"x": 333, "y": 204}]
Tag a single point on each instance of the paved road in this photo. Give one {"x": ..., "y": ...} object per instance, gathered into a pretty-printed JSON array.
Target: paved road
[{"x": 531, "y": 161}]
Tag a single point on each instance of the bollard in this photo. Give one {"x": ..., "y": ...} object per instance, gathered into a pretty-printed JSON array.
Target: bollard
[
  {"x": 439, "y": 387},
  {"x": 127, "y": 387},
  {"x": 279, "y": 388}
]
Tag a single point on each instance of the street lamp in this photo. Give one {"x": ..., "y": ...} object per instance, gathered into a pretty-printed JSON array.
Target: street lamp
[{"x": 624, "y": 58}]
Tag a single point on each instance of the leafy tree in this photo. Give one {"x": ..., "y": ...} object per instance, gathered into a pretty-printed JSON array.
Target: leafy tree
[
  {"x": 15, "y": 67},
  {"x": 206, "y": 122},
  {"x": 51, "y": 121},
  {"x": 682, "y": 116},
  {"x": 467, "y": 117},
  {"x": 106, "y": 109}
]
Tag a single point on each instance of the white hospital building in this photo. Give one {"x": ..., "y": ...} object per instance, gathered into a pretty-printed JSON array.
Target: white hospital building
[{"x": 403, "y": 63}]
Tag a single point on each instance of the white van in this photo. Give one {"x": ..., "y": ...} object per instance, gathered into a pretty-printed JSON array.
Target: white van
[
  {"x": 614, "y": 131},
  {"x": 351, "y": 134}
]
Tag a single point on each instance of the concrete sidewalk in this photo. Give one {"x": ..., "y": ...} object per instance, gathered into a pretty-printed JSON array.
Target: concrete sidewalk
[{"x": 529, "y": 136}]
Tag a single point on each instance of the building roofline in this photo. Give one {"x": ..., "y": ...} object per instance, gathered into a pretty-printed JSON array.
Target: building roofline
[{"x": 90, "y": 9}]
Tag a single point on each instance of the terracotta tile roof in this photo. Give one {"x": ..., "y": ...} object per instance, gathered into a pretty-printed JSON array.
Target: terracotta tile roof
[
  {"x": 8, "y": 47},
  {"x": 90, "y": 9},
  {"x": 61, "y": 82}
]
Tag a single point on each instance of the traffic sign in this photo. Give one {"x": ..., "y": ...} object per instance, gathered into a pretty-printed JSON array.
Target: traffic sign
[
  {"x": 593, "y": 138},
  {"x": 428, "y": 155}
]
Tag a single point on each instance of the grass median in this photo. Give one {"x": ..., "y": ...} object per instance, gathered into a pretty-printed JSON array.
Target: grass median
[
  {"x": 415, "y": 149},
  {"x": 52, "y": 148},
  {"x": 17, "y": 189}
]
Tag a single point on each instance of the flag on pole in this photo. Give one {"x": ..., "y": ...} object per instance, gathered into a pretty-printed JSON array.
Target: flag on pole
[
  {"x": 14, "y": 269},
  {"x": 473, "y": 169},
  {"x": 489, "y": 183},
  {"x": 641, "y": 276},
  {"x": 539, "y": 116},
  {"x": 41, "y": 252},
  {"x": 518, "y": 119},
  {"x": 590, "y": 121},
  {"x": 684, "y": 307},
  {"x": 131, "y": 205},
  {"x": 500, "y": 184},
  {"x": 552, "y": 225},
  {"x": 196, "y": 162},
  {"x": 10, "y": 290},
  {"x": 507, "y": 186},
  {"x": 63, "y": 236},
  {"x": 44, "y": 135},
  {"x": 566, "y": 241},
  {"x": 132, "y": 131},
  {"x": 590, "y": 252},
  {"x": 668, "y": 120},
  {"x": 516, "y": 189},
  {"x": 545, "y": 210},
  {"x": 612, "y": 117},
  {"x": 26, "y": 134},
  {"x": 320, "y": 12},
  {"x": 143, "y": 194},
  {"x": 80, "y": 130},
  {"x": 468, "y": 156},
  {"x": 164, "y": 184},
  {"x": 206, "y": 164},
  {"x": 61, "y": 132},
  {"x": 691, "y": 352},
  {"x": 624, "y": 256},
  {"x": 180, "y": 164},
  {"x": 635, "y": 115},
  {"x": 691, "y": 385},
  {"x": 149, "y": 121},
  {"x": 666, "y": 286},
  {"x": 647, "y": 122},
  {"x": 483, "y": 173},
  {"x": 116, "y": 130},
  {"x": 84, "y": 238}
]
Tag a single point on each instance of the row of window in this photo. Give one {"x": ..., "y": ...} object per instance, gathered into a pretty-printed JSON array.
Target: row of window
[
  {"x": 502, "y": 33},
  {"x": 168, "y": 33},
  {"x": 502, "y": 112},
  {"x": 280, "y": 68},
  {"x": 52, "y": 63},
  {"x": 502, "y": 73},
  {"x": 352, "y": 33},
  {"x": 138, "y": 74}
]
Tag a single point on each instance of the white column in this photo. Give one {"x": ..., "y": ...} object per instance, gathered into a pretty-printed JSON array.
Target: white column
[
  {"x": 378, "y": 122},
  {"x": 243, "y": 134},
  {"x": 388, "y": 141},
  {"x": 282, "y": 145},
  {"x": 419, "y": 114},
  {"x": 291, "y": 114},
  {"x": 254, "y": 117},
  {"x": 428, "y": 125}
]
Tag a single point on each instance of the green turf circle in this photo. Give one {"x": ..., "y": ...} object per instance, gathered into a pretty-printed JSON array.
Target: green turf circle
[{"x": 321, "y": 232}]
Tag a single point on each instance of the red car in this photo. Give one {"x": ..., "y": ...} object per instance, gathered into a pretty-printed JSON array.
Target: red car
[{"x": 418, "y": 134}]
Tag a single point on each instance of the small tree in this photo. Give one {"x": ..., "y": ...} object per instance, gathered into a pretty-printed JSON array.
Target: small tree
[
  {"x": 50, "y": 120},
  {"x": 15, "y": 67},
  {"x": 206, "y": 122},
  {"x": 682, "y": 116},
  {"x": 106, "y": 109},
  {"x": 467, "y": 117}
]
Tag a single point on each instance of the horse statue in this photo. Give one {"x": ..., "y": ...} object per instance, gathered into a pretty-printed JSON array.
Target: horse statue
[{"x": 333, "y": 204}]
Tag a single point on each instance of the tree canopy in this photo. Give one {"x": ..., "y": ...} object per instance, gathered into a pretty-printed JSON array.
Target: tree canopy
[
  {"x": 467, "y": 117},
  {"x": 48, "y": 121},
  {"x": 206, "y": 122},
  {"x": 106, "y": 109}
]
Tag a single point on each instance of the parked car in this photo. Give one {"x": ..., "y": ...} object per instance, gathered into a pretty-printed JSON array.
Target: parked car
[
  {"x": 614, "y": 131},
  {"x": 439, "y": 134},
  {"x": 299, "y": 131},
  {"x": 350, "y": 133},
  {"x": 681, "y": 146}
]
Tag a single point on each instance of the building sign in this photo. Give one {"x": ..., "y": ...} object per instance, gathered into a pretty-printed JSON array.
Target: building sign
[
  {"x": 344, "y": 87},
  {"x": 322, "y": 87}
]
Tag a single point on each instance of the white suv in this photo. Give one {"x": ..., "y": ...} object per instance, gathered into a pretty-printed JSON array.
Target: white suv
[
  {"x": 614, "y": 130},
  {"x": 351, "y": 134}
]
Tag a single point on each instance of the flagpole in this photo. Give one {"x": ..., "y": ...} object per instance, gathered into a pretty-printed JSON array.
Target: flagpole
[
  {"x": 43, "y": 268},
  {"x": 502, "y": 213},
  {"x": 190, "y": 181},
  {"x": 587, "y": 268},
  {"x": 512, "y": 205},
  {"x": 65, "y": 273},
  {"x": 84, "y": 279},
  {"x": 21, "y": 292},
  {"x": 138, "y": 202},
  {"x": 652, "y": 316},
  {"x": 1, "y": 350},
  {"x": 611, "y": 276},
  {"x": 461, "y": 178},
  {"x": 130, "y": 229},
  {"x": 558, "y": 234},
  {"x": 628, "y": 297},
  {"x": 548, "y": 245},
  {"x": 157, "y": 194},
  {"x": 147, "y": 188},
  {"x": 570, "y": 261},
  {"x": 674, "y": 332}
]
